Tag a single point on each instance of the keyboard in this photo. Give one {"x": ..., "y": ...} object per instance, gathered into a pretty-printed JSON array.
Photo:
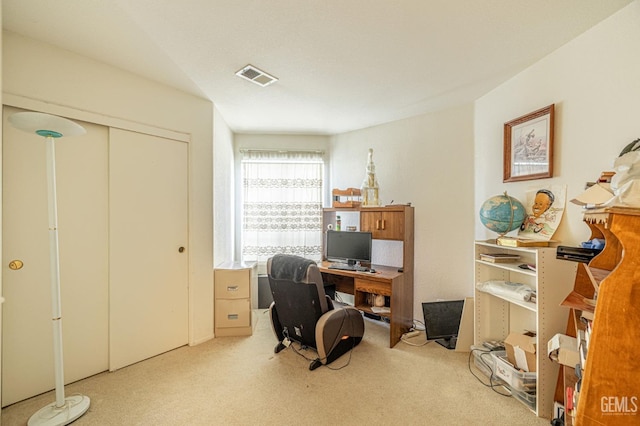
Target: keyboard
[{"x": 345, "y": 267}]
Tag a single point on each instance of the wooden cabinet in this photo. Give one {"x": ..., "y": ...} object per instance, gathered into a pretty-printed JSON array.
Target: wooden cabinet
[
  {"x": 610, "y": 381},
  {"x": 498, "y": 313},
  {"x": 383, "y": 224},
  {"x": 233, "y": 283}
]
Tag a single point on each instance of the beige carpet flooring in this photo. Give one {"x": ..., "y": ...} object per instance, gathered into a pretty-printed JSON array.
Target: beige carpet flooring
[{"x": 240, "y": 381}]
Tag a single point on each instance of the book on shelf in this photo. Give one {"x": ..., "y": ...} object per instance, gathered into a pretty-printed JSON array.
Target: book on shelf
[
  {"x": 499, "y": 257},
  {"x": 528, "y": 266},
  {"x": 582, "y": 348},
  {"x": 569, "y": 398},
  {"x": 521, "y": 242}
]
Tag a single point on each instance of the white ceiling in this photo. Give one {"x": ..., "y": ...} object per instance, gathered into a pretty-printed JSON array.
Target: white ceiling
[{"x": 342, "y": 64}]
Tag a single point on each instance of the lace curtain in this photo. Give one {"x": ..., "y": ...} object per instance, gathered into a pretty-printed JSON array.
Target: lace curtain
[{"x": 282, "y": 204}]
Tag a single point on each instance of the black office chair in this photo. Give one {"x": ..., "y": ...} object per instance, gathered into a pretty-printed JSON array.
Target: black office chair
[{"x": 301, "y": 311}]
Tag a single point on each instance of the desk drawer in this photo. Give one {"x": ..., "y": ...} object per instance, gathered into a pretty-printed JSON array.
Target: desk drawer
[
  {"x": 233, "y": 313},
  {"x": 232, "y": 284},
  {"x": 374, "y": 287}
]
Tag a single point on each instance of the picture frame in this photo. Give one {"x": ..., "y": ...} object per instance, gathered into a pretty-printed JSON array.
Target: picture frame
[{"x": 528, "y": 146}]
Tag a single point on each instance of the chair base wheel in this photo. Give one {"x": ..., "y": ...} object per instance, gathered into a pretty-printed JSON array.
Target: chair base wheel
[{"x": 314, "y": 364}]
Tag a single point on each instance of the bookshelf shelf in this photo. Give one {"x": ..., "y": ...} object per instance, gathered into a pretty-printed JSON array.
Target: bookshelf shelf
[
  {"x": 579, "y": 302},
  {"x": 511, "y": 267},
  {"x": 533, "y": 307},
  {"x": 498, "y": 315}
]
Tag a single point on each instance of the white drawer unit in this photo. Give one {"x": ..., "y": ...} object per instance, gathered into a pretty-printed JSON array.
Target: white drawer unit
[
  {"x": 232, "y": 313},
  {"x": 233, "y": 284}
]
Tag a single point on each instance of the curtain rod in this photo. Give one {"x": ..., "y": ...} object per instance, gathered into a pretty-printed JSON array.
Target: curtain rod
[{"x": 306, "y": 151}]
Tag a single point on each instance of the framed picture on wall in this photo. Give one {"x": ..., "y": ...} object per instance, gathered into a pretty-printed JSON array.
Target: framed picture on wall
[{"x": 528, "y": 146}]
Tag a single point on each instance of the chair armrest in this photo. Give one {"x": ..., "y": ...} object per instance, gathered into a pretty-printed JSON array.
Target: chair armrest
[{"x": 336, "y": 324}]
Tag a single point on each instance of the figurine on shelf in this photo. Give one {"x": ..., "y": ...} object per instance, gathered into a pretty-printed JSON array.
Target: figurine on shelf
[{"x": 370, "y": 184}]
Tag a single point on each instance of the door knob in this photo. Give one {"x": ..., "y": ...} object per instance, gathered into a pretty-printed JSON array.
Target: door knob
[
  {"x": 180, "y": 250},
  {"x": 14, "y": 265}
]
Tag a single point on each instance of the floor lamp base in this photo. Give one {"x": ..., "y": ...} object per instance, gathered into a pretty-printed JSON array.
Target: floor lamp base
[{"x": 74, "y": 407}]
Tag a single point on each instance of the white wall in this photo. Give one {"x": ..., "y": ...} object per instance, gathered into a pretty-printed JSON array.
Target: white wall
[
  {"x": 223, "y": 195},
  {"x": 426, "y": 161},
  {"x": 41, "y": 77},
  {"x": 595, "y": 86}
]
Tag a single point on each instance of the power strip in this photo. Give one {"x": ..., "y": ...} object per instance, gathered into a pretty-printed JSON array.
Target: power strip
[{"x": 413, "y": 333}]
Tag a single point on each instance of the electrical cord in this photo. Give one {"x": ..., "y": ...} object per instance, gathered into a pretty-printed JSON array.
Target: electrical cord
[
  {"x": 302, "y": 347},
  {"x": 406, "y": 340},
  {"x": 420, "y": 327},
  {"x": 353, "y": 345},
  {"x": 293, "y": 344},
  {"x": 415, "y": 327},
  {"x": 492, "y": 378}
]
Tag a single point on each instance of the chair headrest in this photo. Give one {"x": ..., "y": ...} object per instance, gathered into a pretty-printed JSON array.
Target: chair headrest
[{"x": 289, "y": 267}]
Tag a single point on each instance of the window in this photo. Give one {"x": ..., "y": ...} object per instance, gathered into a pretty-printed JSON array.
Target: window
[{"x": 281, "y": 204}]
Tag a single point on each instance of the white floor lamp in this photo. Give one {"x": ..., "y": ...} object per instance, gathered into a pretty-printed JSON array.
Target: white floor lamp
[{"x": 64, "y": 410}]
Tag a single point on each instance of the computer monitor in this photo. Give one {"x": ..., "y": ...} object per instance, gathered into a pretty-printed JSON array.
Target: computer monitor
[
  {"x": 442, "y": 321},
  {"x": 349, "y": 246}
]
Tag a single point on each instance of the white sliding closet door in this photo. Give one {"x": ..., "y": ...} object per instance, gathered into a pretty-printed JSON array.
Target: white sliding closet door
[
  {"x": 148, "y": 253},
  {"x": 27, "y": 349}
]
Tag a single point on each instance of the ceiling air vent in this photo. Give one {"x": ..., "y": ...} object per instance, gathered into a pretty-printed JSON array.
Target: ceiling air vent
[{"x": 256, "y": 76}]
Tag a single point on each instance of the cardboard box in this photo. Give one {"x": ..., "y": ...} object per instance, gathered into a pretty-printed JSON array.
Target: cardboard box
[
  {"x": 521, "y": 350},
  {"x": 564, "y": 349}
]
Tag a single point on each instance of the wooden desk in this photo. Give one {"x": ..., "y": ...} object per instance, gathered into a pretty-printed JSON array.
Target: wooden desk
[{"x": 386, "y": 281}]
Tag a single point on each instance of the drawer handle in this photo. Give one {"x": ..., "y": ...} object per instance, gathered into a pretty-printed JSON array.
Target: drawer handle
[
  {"x": 232, "y": 316},
  {"x": 232, "y": 288}
]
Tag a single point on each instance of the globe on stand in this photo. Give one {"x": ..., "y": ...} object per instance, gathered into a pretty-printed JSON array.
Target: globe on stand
[{"x": 502, "y": 214}]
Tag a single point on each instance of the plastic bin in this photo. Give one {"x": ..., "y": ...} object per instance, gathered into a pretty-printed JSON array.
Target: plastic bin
[
  {"x": 527, "y": 398},
  {"x": 484, "y": 362},
  {"x": 518, "y": 381}
]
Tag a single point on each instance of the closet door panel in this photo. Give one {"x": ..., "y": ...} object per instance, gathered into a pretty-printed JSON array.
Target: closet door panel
[
  {"x": 148, "y": 253},
  {"x": 27, "y": 350}
]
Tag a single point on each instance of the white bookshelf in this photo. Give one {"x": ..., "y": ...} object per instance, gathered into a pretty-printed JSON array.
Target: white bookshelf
[{"x": 497, "y": 315}]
